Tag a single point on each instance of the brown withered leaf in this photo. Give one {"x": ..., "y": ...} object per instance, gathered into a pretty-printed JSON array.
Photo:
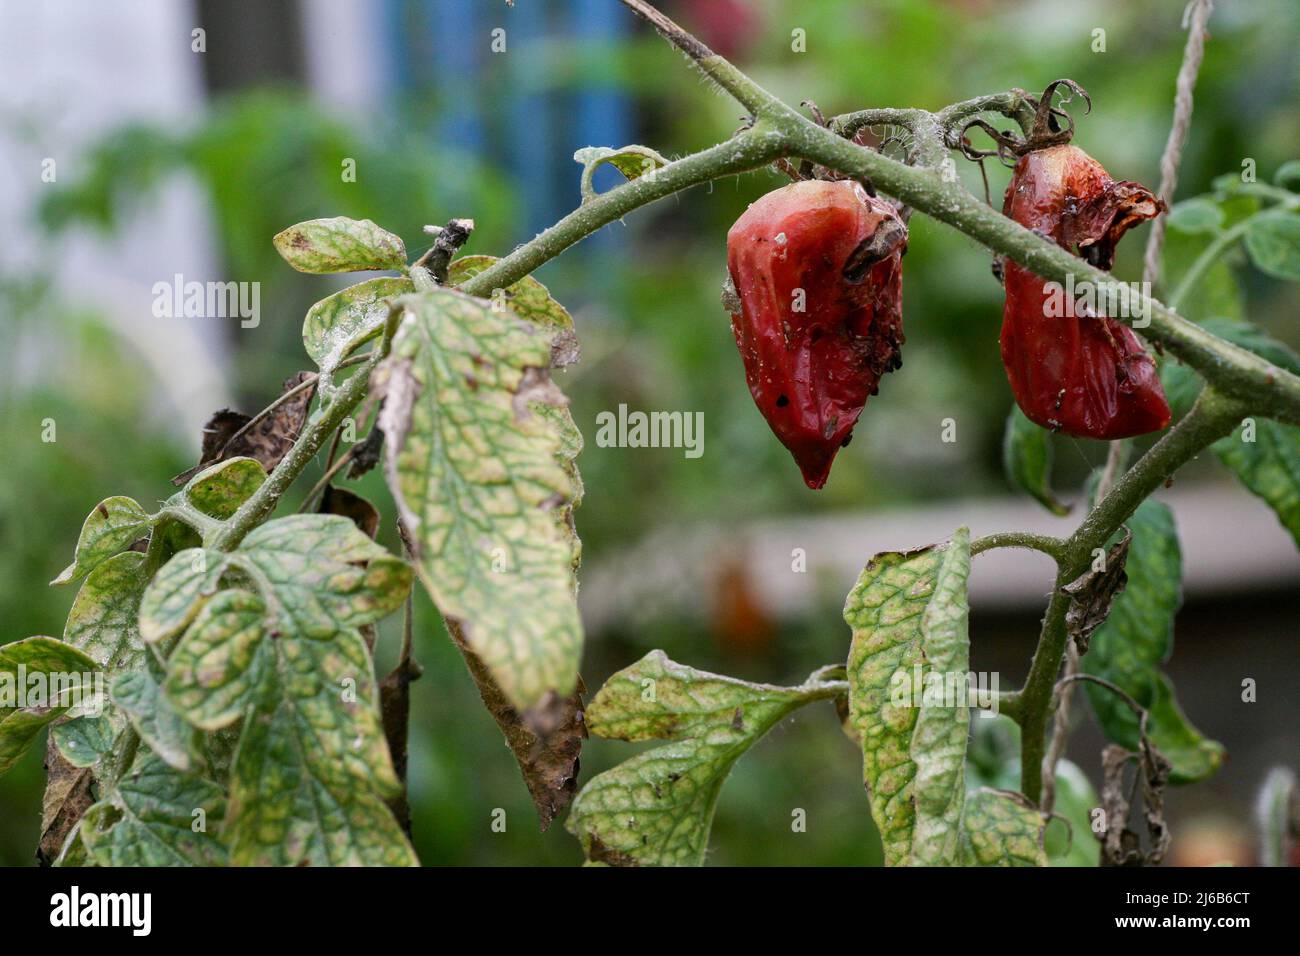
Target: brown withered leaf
[
  {"x": 68, "y": 794},
  {"x": 341, "y": 501},
  {"x": 1092, "y": 594},
  {"x": 1121, "y": 845},
  {"x": 546, "y": 741},
  {"x": 395, "y": 709},
  {"x": 268, "y": 439},
  {"x": 366, "y": 455}
]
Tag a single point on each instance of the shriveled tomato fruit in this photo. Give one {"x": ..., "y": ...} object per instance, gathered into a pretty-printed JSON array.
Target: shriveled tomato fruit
[
  {"x": 817, "y": 271},
  {"x": 1070, "y": 371}
]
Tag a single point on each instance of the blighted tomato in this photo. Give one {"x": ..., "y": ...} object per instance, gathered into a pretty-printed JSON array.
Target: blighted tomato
[
  {"x": 817, "y": 271},
  {"x": 1069, "y": 369}
]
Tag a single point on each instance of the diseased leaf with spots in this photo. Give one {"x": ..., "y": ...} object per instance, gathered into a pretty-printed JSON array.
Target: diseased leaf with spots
[
  {"x": 114, "y": 524},
  {"x": 311, "y": 742},
  {"x": 909, "y": 616},
  {"x": 103, "y": 619},
  {"x": 339, "y": 324},
  {"x": 1001, "y": 828},
  {"x": 657, "y": 808},
  {"x": 287, "y": 661},
  {"x": 140, "y": 696},
  {"x": 55, "y": 676},
  {"x": 325, "y": 572},
  {"x": 1027, "y": 460},
  {"x": 1136, "y": 639},
  {"x": 152, "y": 818},
  {"x": 546, "y": 746},
  {"x": 479, "y": 478},
  {"x": 530, "y": 300},
  {"x": 340, "y": 245},
  {"x": 218, "y": 491}
]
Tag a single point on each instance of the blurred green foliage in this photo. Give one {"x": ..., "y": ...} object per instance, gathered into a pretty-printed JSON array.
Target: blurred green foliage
[{"x": 655, "y": 337}]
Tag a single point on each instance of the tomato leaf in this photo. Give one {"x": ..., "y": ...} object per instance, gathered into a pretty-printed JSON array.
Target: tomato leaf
[
  {"x": 1273, "y": 241},
  {"x": 1001, "y": 828},
  {"x": 63, "y": 676},
  {"x": 483, "y": 479},
  {"x": 340, "y": 245},
  {"x": 1136, "y": 639},
  {"x": 114, "y": 524},
  {"x": 156, "y": 816},
  {"x": 290, "y": 664},
  {"x": 1027, "y": 460},
  {"x": 909, "y": 616},
  {"x": 339, "y": 324},
  {"x": 1264, "y": 454},
  {"x": 657, "y": 808}
]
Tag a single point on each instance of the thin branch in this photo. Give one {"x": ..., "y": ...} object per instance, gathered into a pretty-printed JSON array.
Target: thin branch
[
  {"x": 1018, "y": 539},
  {"x": 1193, "y": 53},
  {"x": 1212, "y": 417},
  {"x": 1060, "y": 727},
  {"x": 748, "y": 93}
]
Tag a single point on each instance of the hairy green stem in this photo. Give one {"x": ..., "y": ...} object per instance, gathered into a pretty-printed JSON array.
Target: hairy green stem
[
  {"x": 1212, "y": 417},
  {"x": 752, "y": 149},
  {"x": 1052, "y": 547}
]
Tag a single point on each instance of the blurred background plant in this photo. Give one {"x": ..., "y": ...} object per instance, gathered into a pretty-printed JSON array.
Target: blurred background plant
[{"x": 172, "y": 160}]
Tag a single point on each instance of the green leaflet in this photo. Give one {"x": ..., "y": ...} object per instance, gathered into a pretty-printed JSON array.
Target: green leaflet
[
  {"x": 339, "y": 324},
  {"x": 528, "y": 299},
  {"x": 1136, "y": 639},
  {"x": 156, "y": 816},
  {"x": 1262, "y": 453},
  {"x": 909, "y": 617},
  {"x": 480, "y": 479},
  {"x": 289, "y": 662},
  {"x": 1001, "y": 828},
  {"x": 1200, "y": 214},
  {"x": 312, "y": 739},
  {"x": 140, "y": 696},
  {"x": 1027, "y": 460},
  {"x": 110, "y": 528},
  {"x": 325, "y": 574},
  {"x": 993, "y": 761},
  {"x": 102, "y": 622},
  {"x": 1273, "y": 241},
  {"x": 86, "y": 741},
  {"x": 218, "y": 491},
  {"x": 632, "y": 161},
  {"x": 40, "y": 678},
  {"x": 657, "y": 808},
  {"x": 340, "y": 245}
]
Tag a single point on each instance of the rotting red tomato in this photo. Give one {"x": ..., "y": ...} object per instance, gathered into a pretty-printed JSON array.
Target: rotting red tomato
[
  {"x": 817, "y": 269},
  {"x": 1072, "y": 372}
]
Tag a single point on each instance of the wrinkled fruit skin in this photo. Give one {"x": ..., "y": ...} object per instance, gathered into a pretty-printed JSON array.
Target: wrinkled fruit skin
[
  {"x": 811, "y": 371},
  {"x": 1088, "y": 377}
]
